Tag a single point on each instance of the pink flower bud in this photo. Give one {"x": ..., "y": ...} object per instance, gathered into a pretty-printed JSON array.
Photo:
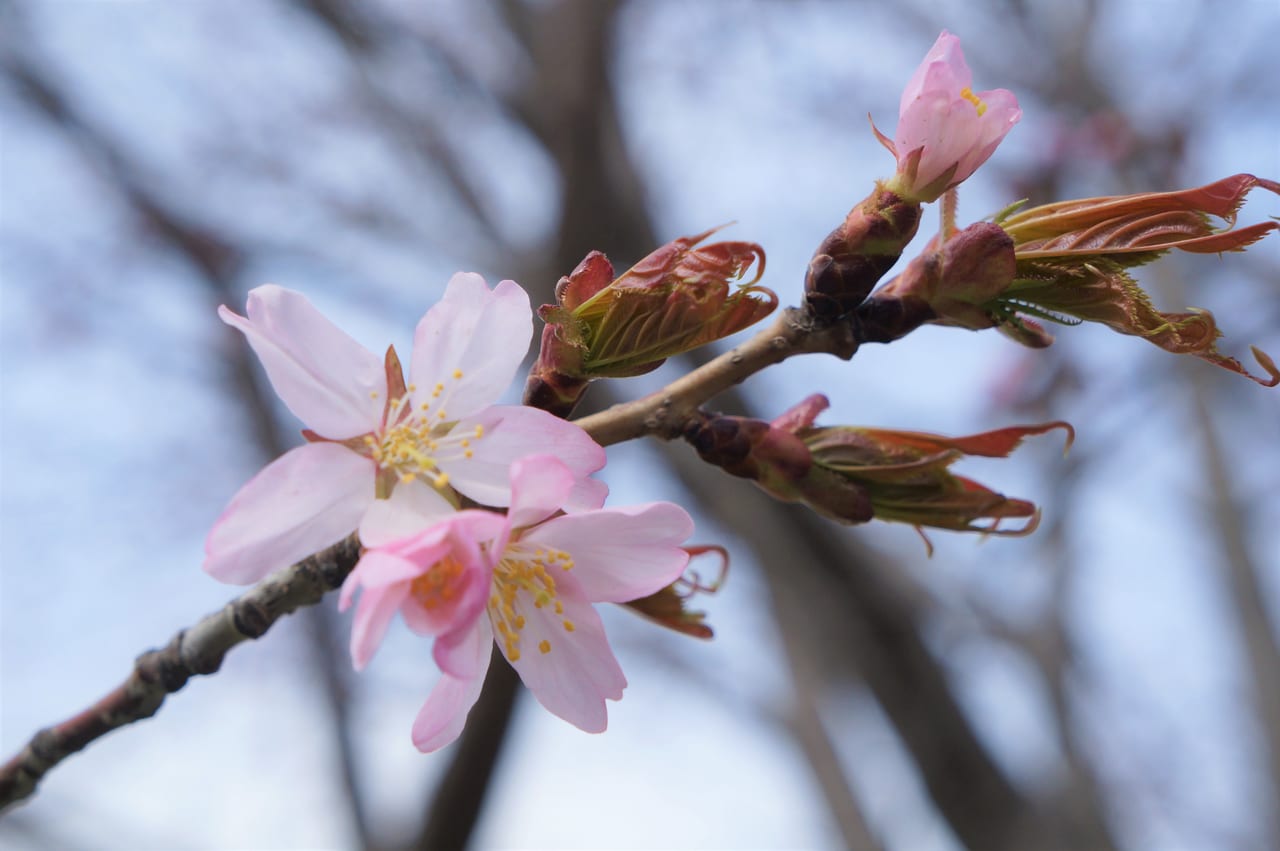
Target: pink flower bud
[{"x": 945, "y": 129}]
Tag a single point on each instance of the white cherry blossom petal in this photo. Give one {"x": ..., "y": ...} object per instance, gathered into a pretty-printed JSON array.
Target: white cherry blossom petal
[
  {"x": 469, "y": 345},
  {"x": 305, "y": 500},
  {"x": 333, "y": 384},
  {"x": 511, "y": 432},
  {"x": 571, "y": 673},
  {"x": 412, "y": 507},
  {"x": 621, "y": 554}
]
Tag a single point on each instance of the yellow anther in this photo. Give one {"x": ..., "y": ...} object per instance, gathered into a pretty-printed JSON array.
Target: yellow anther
[
  {"x": 519, "y": 621},
  {"x": 479, "y": 431},
  {"x": 464, "y": 443},
  {"x": 373, "y": 394},
  {"x": 513, "y": 653},
  {"x": 559, "y": 608},
  {"x": 467, "y": 454},
  {"x": 405, "y": 478},
  {"x": 457, "y": 373},
  {"x": 440, "y": 480},
  {"x": 441, "y": 414},
  {"x": 967, "y": 94},
  {"x": 569, "y": 627},
  {"x": 544, "y": 646},
  {"x": 412, "y": 388},
  {"x": 368, "y": 440}
]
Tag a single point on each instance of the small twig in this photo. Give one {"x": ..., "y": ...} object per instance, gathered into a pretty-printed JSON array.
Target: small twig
[
  {"x": 663, "y": 414},
  {"x": 192, "y": 652}
]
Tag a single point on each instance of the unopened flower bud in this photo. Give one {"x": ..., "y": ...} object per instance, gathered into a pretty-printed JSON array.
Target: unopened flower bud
[
  {"x": 970, "y": 269},
  {"x": 907, "y": 478},
  {"x": 852, "y": 474},
  {"x": 945, "y": 129},
  {"x": 852, "y": 259},
  {"x": 676, "y": 299}
]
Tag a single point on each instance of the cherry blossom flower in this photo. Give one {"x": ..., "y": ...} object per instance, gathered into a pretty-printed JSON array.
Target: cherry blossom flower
[
  {"x": 370, "y": 433},
  {"x": 945, "y": 129},
  {"x": 526, "y": 579}
]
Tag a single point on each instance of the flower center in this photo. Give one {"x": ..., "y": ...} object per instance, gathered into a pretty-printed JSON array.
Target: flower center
[
  {"x": 967, "y": 94},
  {"x": 439, "y": 586},
  {"x": 526, "y": 574},
  {"x": 415, "y": 439}
]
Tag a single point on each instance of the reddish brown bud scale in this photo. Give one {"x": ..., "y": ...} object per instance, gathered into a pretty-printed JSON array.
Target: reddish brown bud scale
[
  {"x": 956, "y": 280},
  {"x": 778, "y": 462},
  {"x": 676, "y": 299},
  {"x": 852, "y": 259},
  {"x": 669, "y": 606},
  {"x": 883, "y": 320}
]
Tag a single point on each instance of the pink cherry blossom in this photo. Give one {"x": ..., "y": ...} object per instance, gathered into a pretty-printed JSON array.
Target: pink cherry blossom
[
  {"x": 439, "y": 436},
  {"x": 525, "y": 579},
  {"x": 945, "y": 129}
]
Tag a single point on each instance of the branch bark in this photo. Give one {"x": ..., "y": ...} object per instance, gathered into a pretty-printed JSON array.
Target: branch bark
[
  {"x": 663, "y": 414},
  {"x": 196, "y": 651}
]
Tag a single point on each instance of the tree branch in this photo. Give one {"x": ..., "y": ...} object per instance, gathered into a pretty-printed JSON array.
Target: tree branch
[
  {"x": 663, "y": 414},
  {"x": 195, "y": 651}
]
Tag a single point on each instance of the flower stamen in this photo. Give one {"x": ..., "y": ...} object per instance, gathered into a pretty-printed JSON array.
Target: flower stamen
[
  {"x": 978, "y": 103},
  {"x": 521, "y": 577},
  {"x": 439, "y": 586}
]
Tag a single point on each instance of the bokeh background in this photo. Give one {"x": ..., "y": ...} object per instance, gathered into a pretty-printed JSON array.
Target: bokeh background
[{"x": 1110, "y": 682}]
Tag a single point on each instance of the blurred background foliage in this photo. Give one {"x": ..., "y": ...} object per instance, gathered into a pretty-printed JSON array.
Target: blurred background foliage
[{"x": 1111, "y": 682}]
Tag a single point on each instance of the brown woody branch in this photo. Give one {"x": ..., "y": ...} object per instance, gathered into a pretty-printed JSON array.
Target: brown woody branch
[
  {"x": 192, "y": 652},
  {"x": 664, "y": 414}
]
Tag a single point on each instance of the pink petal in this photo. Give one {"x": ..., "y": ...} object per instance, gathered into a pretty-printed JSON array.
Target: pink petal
[
  {"x": 305, "y": 500},
  {"x": 374, "y": 612},
  {"x": 573, "y": 679},
  {"x": 456, "y": 652},
  {"x": 333, "y": 384},
  {"x": 993, "y": 125},
  {"x": 539, "y": 486},
  {"x": 471, "y": 343},
  {"x": 943, "y": 67},
  {"x": 376, "y": 569},
  {"x": 620, "y": 554},
  {"x": 443, "y": 715},
  {"x": 412, "y": 507},
  {"x": 510, "y": 432},
  {"x": 470, "y": 591}
]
